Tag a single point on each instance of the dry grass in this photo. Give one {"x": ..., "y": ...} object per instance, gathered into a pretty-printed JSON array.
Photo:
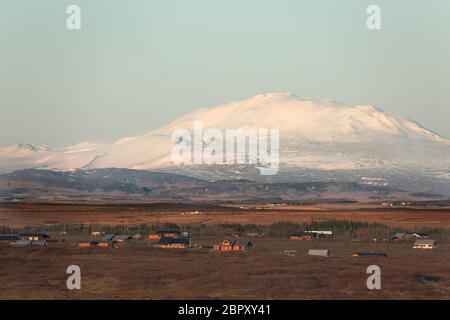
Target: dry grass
[{"x": 139, "y": 271}]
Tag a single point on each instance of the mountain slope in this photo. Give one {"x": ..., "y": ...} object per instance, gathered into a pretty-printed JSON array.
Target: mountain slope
[{"x": 315, "y": 135}]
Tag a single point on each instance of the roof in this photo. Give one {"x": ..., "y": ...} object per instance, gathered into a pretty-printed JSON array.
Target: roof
[
  {"x": 370, "y": 254},
  {"x": 168, "y": 240},
  {"x": 301, "y": 234},
  {"x": 43, "y": 235},
  {"x": 320, "y": 232},
  {"x": 122, "y": 237},
  {"x": 399, "y": 235},
  {"x": 420, "y": 235},
  {"x": 167, "y": 231},
  {"x": 8, "y": 237},
  {"x": 108, "y": 236},
  {"x": 425, "y": 242},
  {"x": 24, "y": 243},
  {"x": 242, "y": 242}
]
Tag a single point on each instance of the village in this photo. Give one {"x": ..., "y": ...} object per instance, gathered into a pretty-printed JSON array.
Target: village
[{"x": 233, "y": 241}]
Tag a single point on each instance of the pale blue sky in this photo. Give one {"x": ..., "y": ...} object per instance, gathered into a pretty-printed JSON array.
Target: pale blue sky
[{"x": 136, "y": 65}]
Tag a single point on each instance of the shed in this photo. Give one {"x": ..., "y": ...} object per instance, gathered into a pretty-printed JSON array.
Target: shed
[{"x": 319, "y": 253}]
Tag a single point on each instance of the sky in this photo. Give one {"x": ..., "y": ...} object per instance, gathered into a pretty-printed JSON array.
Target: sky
[{"x": 136, "y": 65}]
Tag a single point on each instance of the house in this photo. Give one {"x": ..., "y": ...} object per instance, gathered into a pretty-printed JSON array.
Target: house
[
  {"x": 302, "y": 236},
  {"x": 164, "y": 234},
  {"x": 425, "y": 244},
  {"x": 401, "y": 236},
  {"x": 28, "y": 243},
  {"x": 86, "y": 244},
  {"x": 106, "y": 244},
  {"x": 233, "y": 245},
  {"x": 369, "y": 254},
  {"x": 96, "y": 233},
  {"x": 319, "y": 253},
  {"x": 6, "y": 238},
  {"x": 33, "y": 236},
  {"x": 173, "y": 243}
]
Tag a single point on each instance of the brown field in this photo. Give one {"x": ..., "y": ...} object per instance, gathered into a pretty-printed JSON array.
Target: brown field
[
  {"x": 139, "y": 271},
  {"x": 20, "y": 215}
]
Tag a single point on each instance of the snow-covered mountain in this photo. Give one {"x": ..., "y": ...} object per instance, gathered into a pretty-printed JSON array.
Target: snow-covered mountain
[{"x": 319, "y": 136}]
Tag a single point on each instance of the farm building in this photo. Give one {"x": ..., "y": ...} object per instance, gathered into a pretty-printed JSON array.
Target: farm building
[
  {"x": 33, "y": 236},
  {"x": 233, "y": 245},
  {"x": 6, "y": 238},
  {"x": 319, "y": 253},
  {"x": 425, "y": 244},
  {"x": 369, "y": 254},
  {"x": 101, "y": 243},
  {"x": 164, "y": 234},
  {"x": 173, "y": 243},
  {"x": 302, "y": 236}
]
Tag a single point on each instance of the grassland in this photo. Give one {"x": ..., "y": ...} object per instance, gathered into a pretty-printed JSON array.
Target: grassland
[{"x": 139, "y": 271}]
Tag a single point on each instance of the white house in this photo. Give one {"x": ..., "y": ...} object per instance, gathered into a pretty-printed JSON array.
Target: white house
[{"x": 425, "y": 244}]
